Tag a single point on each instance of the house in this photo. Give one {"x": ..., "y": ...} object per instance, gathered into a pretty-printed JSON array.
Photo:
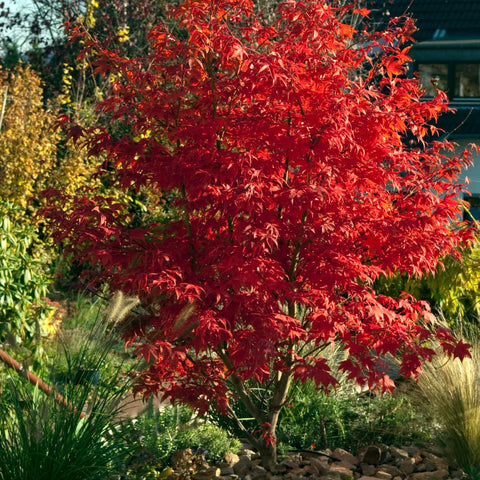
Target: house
[{"x": 447, "y": 56}]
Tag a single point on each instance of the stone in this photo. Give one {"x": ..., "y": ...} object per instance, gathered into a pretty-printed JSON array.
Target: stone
[
  {"x": 372, "y": 455},
  {"x": 398, "y": 453},
  {"x": 207, "y": 474},
  {"x": 280, "y": 468},
  {"x": 331, "y": 476},
  {"x": 246, "y": 452},
  {"x": 320, "y": 465},
  {"x": 390, "y": 464},
  {"x": 420, "y": 468},
  {"x": 258, "y": 472},
  {"x": 224, "y": 471},
  {"x": 292, "y": 461},
  {"x": 344, "y": 456},
  {"x": 231, "y": 458},
  {"x": 407, "y": 465},
  {"x": 392, "y": 470},
  {"x": 435, "y": 449},
  {"x": 439, "y": 462},
  {"x": 411, "y": 450},
  {"x": 368, "y": 470},
  {"x": 437, "y": 475},
  {"x": 344, "y": 473},
  {"x": 346, "y": 464},
  {"x": 383, "y": 475},
  {"x": 429, "y": 467},
  {"x": 243, "y": 465},
  {"x": 296, "y": 473}
]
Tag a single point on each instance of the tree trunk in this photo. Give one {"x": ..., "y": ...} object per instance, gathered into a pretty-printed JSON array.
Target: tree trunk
[{"x": 268, "y": 453}]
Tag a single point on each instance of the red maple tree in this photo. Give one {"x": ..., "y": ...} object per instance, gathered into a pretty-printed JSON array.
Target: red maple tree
[{"x": 295, "y": 166}]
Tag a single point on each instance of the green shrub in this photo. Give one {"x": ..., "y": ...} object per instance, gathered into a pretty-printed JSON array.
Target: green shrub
[
  {"x": 25, "y": 313},
  {"x": 152, "y": 440},
  {"x": 388, "y": 419},
  {"x": 158, "y": 434},
  {"x": 208, "y": 439},
  {"x": 348, "y": 419}
]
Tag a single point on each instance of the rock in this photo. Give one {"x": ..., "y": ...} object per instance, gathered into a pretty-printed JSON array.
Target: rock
[
  {"x": 231, "y": 458},
  {"x": 368, "y": 470},
  {"x": 383, "y": 475},
  {"x": 292, "y": 461},
  {"x": 181, "y": 459},
  {"x": 330, "y": 476},
  {"x": 376, "y": 462},
  {"x": 243, "y": 465},
  {"x": 435, "y": 449},
  {"x": 392, "y": 470},
  {"x": 439, "y": 462},
  {"x": 348, "y": 465},
  {"x": 296, "y": 473},
  {"x": 429, "y": 467},
  {"x": 345, "y": 456},
  {"x": 320, "y": 465},
  {"x": 246, "y": 452},
  {"x": 412, "y": 450},
  {"x": 207, "y": 474},
  {"x": 280, "y": 468},
  {"x": 398, "y": 453},
  {"x": 437, "y": 475},
  {"x": 344, "y": 473},
  {"x": 226, "y": 470},
  {"x": 259, "y": 472},
  {"x": 372, "y": 455},
  {"x": 407, "y": 465}
]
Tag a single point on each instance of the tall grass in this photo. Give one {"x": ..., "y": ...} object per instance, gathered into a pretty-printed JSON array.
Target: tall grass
[
  {"x": 449, "y": 389},
  {"x": 44, "y": 439}
]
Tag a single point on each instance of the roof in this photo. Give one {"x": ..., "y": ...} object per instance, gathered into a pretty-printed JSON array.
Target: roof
[{"x": 436, "y": 19}]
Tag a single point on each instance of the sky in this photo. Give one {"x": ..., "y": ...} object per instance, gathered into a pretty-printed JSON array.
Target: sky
[
  {"x": 22, "y": 6},
  {"x": 17, "y": 5}
]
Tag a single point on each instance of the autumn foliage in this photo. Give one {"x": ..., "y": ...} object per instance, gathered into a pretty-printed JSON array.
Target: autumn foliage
[{"x": 295, "y": 165}]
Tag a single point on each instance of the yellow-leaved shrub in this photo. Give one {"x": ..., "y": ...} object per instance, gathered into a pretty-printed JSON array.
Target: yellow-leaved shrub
[
  {"x": 34, "y": 154},
  {"x": 27, "y": 139}
]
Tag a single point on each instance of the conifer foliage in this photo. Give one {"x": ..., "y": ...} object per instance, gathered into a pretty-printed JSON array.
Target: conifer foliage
[{"x": 295, "y": 165}]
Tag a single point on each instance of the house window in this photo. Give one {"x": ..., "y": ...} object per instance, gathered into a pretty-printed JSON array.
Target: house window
[
  {"x": 458, "y": 80},
  {"x": 467, "y": 80},
  {"x": 433, "y": 76}
]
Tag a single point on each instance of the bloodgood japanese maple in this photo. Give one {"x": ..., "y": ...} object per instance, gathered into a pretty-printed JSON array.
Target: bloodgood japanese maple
[{"x": 295, "y": 165}]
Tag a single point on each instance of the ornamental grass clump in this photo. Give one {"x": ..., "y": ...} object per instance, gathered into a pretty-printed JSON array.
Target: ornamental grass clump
[
  {"x": 449, "y": 389},
  {"x": 49, "y": 437}
]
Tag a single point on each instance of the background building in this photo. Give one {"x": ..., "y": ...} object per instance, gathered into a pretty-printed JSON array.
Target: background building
[{"x": 447, "y": 56}]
